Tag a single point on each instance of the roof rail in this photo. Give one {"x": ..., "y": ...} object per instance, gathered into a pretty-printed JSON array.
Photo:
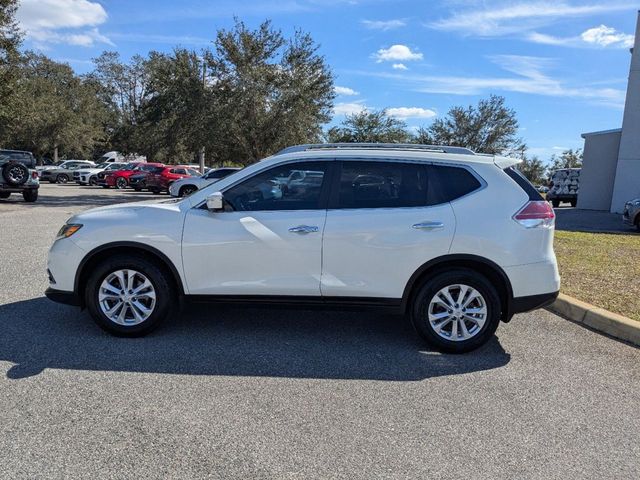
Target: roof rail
[{"x": 382, "y": 146}]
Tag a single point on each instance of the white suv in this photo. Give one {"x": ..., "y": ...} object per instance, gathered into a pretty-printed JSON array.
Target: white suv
[{"x": 457, "y": 241}]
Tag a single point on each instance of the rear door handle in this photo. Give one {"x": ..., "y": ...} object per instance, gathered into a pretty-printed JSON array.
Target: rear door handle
[
  {"x": 428, "y": 225},
  {"x": 304, "y": 229}
]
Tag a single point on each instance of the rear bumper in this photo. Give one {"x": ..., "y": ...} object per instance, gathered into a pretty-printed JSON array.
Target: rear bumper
[
  {"x": 60, "y": 296},
  {"x": 18, "y": 189},
  {"x": 532, "y": 302}
]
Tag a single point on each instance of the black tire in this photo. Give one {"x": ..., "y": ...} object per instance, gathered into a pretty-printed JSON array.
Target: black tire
[
  {"x": 157, "y": 275},
  {"x": 187, "y": 190},
  {"x": 62, "y": 178},
  {"x": 574, "y": 203},
  {"x": 30, "y": 195},
  {"x": 5, "y": 194},
  {"x": 121, "y": 183},
  {"x": 427, "y": 291},
  {"x": 93, "y": 181},
  {"x": 638, "y": 223},
  {"x": 105, "y": 186},
  {"x": 555, "y": 203},
  {"x": 15, "y": 174},
  {"x": 154, "y": 190}
]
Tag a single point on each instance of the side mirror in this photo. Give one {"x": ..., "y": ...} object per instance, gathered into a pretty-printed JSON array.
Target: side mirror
[{"x": 215, "y": 202}]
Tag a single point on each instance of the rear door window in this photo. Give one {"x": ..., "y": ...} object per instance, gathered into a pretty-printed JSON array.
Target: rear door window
[{"x": 380, "y": 184}]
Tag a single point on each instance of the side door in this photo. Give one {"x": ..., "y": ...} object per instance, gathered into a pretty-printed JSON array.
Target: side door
[
  {"x": 381, "y": 227},
  {"x": 268, "y": 241}
]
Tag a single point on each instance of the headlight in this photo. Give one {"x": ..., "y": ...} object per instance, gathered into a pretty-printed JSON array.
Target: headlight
[{"x": 68, "y": 229}]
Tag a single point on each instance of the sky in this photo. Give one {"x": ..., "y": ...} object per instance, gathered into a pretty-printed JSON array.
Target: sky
[{"x": 561, "y": 65}]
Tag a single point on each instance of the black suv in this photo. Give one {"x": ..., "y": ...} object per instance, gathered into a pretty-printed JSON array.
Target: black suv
[{"x": 18, "y": 174}]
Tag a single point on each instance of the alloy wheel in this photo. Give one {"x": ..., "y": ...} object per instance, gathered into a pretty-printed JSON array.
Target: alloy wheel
[
  {"x": 127, "y": 297},
  {"x": 457, "y": 312}
]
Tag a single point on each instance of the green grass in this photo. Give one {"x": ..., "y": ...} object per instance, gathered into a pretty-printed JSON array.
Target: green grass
[{"x": 602, "y": 269}]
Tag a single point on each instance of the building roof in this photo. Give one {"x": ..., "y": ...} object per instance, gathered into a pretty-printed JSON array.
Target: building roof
[{"x": 601, "y": 132}]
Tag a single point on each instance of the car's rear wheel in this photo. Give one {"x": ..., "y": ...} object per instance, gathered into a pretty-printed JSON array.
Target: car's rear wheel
[
  {"x": 93, "y": 181},
  {"x": 129, "y": 296},
  {"x": 121, "y": 183},
  {"x": 555, "y": 203},
  {"x": 638, "y": 223},
  {"x": 456, "y": 311},
  {"x": 30, "y": 195},
  {"x": 187, "y": 190},
  {"x": 62, "y": 178},
  {"x": 154, "y": 190}
]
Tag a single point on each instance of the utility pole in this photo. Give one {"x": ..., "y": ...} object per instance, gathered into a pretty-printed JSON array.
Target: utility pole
[{"x": 204, "y": 86}]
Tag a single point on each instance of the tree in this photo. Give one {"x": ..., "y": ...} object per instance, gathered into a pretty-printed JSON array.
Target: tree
[
  {"x": 370, "y": 126},
  {"x": 124, "y": 89},
  {"x": 10, "y": 40},
  {"x": 533, "y": 168},
  {"x": 181, "y": 115},
  {"x": 567, "y": 159},
  {"x": 272, "y": 92},
  {"x": 55, "y": 109},
  {"x": 491, "y": 127}
]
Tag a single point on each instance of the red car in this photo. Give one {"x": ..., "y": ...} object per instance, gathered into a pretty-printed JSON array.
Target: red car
[
  {"x": 159, "y": 181},
  {"x": 120, "y": 178}
]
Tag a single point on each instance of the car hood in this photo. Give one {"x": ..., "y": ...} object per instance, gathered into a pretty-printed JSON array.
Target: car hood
[{"x": 123, "y": 210}]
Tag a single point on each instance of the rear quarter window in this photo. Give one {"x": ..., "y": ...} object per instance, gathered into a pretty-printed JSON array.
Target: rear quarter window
[
  {"x": 524, "y": 184},
  {"x": 449, "y": 183}
]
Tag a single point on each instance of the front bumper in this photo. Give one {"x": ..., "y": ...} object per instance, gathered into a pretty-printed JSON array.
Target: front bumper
[{"x": 60, "y": 296}]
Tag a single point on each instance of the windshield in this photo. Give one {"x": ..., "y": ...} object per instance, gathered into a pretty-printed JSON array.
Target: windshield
[{"x": 130, "y": 166}]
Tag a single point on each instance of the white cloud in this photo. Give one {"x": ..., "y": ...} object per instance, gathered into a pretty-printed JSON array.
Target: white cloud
[
  {"x": 529, "y": 76},
  {"x": 410, "y": 112},
  {"x": 383, "y": 25},
  {"x": 399, "y": 66},
  {"x": 601, "y": 36},
  {"x": 62, "y": 21},
  {"x": 605, "y": 36},
  {"x": 348, "y": 108},
  {"x": 510, "y": 18},
  {"x": 396, "y": 52},
  {"x": 345, "y": 91}
]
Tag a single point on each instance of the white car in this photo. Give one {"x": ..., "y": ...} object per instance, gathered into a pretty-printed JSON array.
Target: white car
[
  {"x": 456, "y": 241},
  {"x": 90, "y": 176},
  {"x": 186, "y": 186}
]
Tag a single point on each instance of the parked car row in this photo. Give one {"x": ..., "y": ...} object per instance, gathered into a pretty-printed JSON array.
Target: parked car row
[{"x": 139, "y": 175}]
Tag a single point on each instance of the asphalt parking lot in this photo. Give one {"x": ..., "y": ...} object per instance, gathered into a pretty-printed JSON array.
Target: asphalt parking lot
[{"x": 230, "y": 392}]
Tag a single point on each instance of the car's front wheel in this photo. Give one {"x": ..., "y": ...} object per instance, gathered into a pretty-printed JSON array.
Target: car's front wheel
[
  {"x": 187, "y": 190},
  {"x": 121, "y": 183},
  {"x": 129, "y": 296},
  {"x": 456, "y": 311}
]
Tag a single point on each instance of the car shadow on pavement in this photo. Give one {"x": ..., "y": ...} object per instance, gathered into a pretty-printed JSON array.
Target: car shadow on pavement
[{"x": 232, "y": 340}]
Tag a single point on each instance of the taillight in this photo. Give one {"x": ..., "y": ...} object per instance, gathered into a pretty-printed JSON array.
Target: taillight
[
  {"x": 34, "y": 175},
  {"x": 536, "y": 214}
]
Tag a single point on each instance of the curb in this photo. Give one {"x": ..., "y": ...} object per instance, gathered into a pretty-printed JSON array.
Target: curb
[{"x": 612, "y": 324}]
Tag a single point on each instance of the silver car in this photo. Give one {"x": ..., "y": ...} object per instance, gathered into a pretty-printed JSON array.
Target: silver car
[
  {"x": 186, "y": 186},
  {"x": 631, "y": 213}
]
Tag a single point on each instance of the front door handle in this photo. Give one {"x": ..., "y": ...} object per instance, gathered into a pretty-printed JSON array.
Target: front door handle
[
  {"x": 428, "y": 225},
  {"x": 304, "y": 229}
]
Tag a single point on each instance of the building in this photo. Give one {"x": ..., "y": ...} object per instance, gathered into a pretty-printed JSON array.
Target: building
[{"x": 611, "y": 165}]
